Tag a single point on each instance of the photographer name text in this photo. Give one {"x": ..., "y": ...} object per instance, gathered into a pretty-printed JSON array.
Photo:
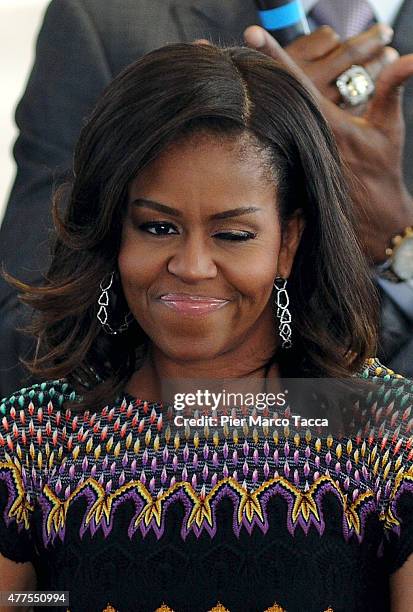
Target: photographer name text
[{"x": 251, "y": 420}]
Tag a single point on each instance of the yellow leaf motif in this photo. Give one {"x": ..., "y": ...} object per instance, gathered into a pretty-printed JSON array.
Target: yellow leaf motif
[
  {"x": 57, "y": 516},
  {"x": 152, "y": 511},
  {"x": 353, "y": 520},
  {"x": 249, "y": 506},
  {"x": 305, "y": 505},
  {"x": 21, "y": 506},
  {"x": 218, "y": 608},
  {"x": 20, "y": 510},
  {"x": 201, "y": 511},
  {"x": 388, "y": 517},
  {"x": 101, "y": 507}
]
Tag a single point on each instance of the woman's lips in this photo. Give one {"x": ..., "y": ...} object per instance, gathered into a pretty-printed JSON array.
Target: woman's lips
[{"x": 192, "y": 304}]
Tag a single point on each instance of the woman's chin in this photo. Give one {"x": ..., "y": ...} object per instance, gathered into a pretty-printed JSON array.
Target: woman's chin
[{"x": 192, "y": 352}]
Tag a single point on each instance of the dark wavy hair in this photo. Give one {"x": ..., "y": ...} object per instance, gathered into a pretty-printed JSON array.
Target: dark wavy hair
[{"x": 177, "y": 90}]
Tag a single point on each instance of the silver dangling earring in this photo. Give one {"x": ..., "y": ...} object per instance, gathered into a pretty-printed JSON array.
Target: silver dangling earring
[
  {"x": 103, "y": 313},
  {"x": 282, "y": 302}
]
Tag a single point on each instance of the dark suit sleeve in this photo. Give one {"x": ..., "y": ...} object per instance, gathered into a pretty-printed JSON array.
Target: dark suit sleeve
[
  {"x": 69, "y": 73},
  {"x": 396, "y": 326}
]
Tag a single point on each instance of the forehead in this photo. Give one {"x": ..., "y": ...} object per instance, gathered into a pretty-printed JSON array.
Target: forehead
[{"x": 210, "y": 171}]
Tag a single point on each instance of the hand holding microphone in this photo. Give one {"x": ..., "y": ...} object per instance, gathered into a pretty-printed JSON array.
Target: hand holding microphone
[
  {"x": 372, "y": 142},
  {"x": 321, "y": 55}
]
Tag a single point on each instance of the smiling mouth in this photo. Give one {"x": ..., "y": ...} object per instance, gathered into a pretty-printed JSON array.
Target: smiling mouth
[{"x": 192, "y": 304}]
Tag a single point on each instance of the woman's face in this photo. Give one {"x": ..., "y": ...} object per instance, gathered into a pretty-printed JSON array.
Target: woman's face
[{"x": 201, "y": 247}]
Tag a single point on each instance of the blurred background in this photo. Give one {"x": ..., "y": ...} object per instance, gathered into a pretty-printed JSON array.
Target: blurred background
[{"x": 19, "y": 24}]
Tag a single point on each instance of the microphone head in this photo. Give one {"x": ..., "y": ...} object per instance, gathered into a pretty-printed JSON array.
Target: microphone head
[{"x": 283, "y": 19}]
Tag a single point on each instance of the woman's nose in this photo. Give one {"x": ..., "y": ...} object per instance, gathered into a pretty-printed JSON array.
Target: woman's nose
[{"x": 192, "y": 261}]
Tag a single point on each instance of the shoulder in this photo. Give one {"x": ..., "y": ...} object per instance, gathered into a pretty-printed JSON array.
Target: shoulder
[
  {"x": 389, "y": 438},
  {"x": 388, "y": 406},
  {"x": 29, "y": 445},
  {"x": 386, "y": 384},
  {"x": 373, "y": 368},
  {"x": 33, "y": 421},
  {"x": 38, "y": 395}
]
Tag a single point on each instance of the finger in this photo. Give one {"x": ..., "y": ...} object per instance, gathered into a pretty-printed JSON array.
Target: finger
[
  {"x": 315, "y": 45},
  {"x": 385, "y": 107},
  {"x": 387, "y": 57},
  {"x": 258, "y": 38},
  {"x": 356, "y": 50},
  {"x": 374, "y": 68}
]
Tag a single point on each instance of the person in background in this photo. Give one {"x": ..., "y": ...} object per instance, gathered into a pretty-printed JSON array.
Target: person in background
[{"x": 82, "y": 46}]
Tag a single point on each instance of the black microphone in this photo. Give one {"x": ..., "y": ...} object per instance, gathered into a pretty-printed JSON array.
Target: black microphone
[{"x": 283, "y": 19}]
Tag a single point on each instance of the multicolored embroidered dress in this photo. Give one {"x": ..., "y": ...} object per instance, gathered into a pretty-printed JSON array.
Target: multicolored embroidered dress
[{"x": 129, "y": 518}]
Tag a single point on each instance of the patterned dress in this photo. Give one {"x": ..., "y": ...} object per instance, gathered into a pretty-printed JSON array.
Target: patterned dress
[{"x": 129, "y": 518}]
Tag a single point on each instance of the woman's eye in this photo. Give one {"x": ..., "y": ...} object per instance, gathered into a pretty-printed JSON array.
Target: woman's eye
[
  {"x": 238, "y": 236},
  {"x": 159, "y": 228},
  {"x": 162, "y": 228}
]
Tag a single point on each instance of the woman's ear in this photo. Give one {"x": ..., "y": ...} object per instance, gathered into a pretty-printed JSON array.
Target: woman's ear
[{"x": 291, "y": 236}]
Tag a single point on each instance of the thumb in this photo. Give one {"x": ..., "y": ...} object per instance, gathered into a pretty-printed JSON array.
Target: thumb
[
  {"x": 385, "y": 106},
  {"x": 259, "y": 39}
]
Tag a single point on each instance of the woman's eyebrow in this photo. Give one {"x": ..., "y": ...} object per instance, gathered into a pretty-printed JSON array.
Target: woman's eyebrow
[{"x": 168, "y": 210}]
